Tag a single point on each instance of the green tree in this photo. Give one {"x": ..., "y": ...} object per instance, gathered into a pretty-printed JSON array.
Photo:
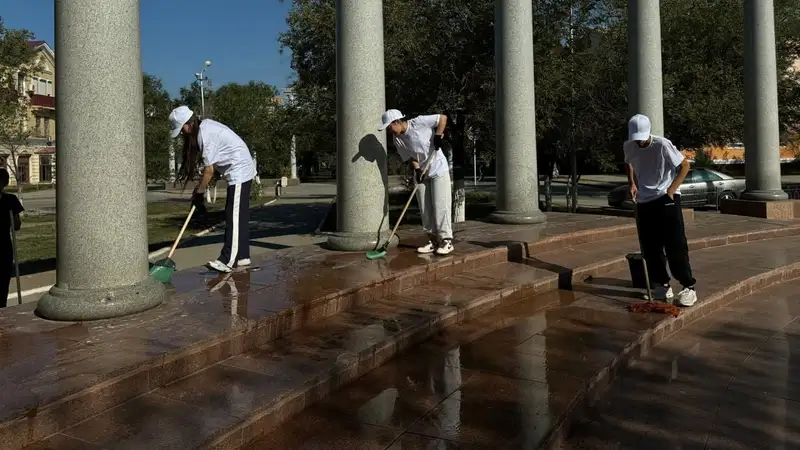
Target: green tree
[
  {"x": 157, "y": 142},
  {"x": 17, "y": 62},
  {"x": 253, "y": 111}
]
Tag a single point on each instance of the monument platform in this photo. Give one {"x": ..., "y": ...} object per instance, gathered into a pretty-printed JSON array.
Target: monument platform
[{"x": 228, "y": 358}]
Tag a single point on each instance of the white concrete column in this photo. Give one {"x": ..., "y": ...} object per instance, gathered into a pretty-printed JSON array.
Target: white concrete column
[
  {"x": 645, "y": 90},
  {"x": 293, "y": 158},
  {"x": 517, "y": 177},
  {"x": 172, "y": 169},
  {"x": 101, "y": 202},
  {"x": 361, "y": 173},
  {"x": 761, "y": 128}
]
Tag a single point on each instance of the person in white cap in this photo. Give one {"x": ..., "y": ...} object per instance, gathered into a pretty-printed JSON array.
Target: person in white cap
[
  {"x": 218, "y": 148},
  {"x": 656, "y": 170},
  {"x": 419, "y": 140}
]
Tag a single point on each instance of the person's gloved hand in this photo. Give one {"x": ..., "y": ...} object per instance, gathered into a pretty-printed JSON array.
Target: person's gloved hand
[
  {"x": 199, "y": 202},
  {"x": 437, "y": 141},
  {"x": 419, "y": 177}
]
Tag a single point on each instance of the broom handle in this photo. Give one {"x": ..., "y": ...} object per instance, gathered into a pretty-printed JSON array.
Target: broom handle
[
  {"x": 180, "y": 235},
  {"x": 641, "y": 251},
  {"x": 16, "y": 261},
  {"x": 411, "y": 197}
]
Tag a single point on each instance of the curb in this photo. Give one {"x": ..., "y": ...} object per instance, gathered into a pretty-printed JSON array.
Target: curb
[{"x": 159, "y": 252}]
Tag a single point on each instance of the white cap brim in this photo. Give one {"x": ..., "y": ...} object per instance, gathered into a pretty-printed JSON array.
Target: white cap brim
[
  {"x": 176, "y": 132},
  {"x": 384, "y": 126},
  {"x": 640, "y": 136}
]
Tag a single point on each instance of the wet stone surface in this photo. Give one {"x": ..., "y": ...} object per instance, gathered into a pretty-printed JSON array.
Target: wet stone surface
[
  {"x": 729, "y": 381},
  {"x": 549, "y": 346},
  {"x": 504, "y": 379}
]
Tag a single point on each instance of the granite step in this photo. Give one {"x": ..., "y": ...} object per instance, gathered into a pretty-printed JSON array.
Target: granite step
[
  {"x": 240, "y": 399},
  {"x": 56, "y": 374},
  {"x": 517, "y": 377}
]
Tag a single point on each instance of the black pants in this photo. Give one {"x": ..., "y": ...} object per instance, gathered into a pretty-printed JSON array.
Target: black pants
[
  {"x": 237, "y": 224},
  {"x": 6, "y": 275},
  {"x": 664, "y": 240}
]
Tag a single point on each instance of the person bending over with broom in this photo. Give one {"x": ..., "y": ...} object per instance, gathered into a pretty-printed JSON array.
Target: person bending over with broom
[
  {"x": 9, "y": 204},
  {"x": 656, "y": 170},
  {"x": 218, "y": 148},
  {"x": 419, "y": 140}
]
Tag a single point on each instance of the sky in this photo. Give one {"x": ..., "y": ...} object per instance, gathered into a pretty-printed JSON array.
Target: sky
[{"x": 240, "y": 37}]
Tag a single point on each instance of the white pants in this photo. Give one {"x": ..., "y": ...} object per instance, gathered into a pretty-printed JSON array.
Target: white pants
[{"x": 435, "y": 199}]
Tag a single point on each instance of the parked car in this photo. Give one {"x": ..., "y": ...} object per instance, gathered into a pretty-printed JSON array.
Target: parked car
[{"x": 702, "y": 187}]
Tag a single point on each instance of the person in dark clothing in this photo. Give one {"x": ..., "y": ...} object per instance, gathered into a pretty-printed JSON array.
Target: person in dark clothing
[
  {"x": 9, "y": 205},
  {"x": 656, "y": 170}
]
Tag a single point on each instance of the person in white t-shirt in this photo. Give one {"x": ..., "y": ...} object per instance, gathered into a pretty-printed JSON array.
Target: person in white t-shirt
[
  {"x": 418, "y": 140},
  {"x": 656, "y": 170},
  {"x": 219, "y": 149}
]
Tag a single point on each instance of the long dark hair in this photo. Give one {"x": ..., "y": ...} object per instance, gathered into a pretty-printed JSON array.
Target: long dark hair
[{"x": 192, "y": 156}]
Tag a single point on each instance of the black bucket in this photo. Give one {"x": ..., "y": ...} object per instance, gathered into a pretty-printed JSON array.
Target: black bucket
[{"x": 636, "y": 266}]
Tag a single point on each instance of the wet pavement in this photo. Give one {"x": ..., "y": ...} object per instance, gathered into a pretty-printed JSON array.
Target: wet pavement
[
  {"x": 729, "y": 381},
  {"x": 221, "y": 331},
  {"x": 508, "y": 378}
]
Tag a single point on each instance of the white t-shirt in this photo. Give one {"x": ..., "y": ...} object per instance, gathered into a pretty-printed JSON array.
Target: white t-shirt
[
  {"x": 226, "y": 151},
  {"x": 417, "y": 143},
  {"x": 654, "y": 166}
]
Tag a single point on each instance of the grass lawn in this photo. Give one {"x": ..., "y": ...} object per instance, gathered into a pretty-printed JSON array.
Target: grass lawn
[{"x": 37, "y": 238}]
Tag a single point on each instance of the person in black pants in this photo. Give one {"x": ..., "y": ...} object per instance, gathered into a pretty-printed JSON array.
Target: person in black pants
[
  {"x": 656, "y": 170},
  {"x": 219, "y": 149},
  {"x": 9, "y": 204}
]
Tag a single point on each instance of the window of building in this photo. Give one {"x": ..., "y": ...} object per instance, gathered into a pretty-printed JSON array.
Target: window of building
[
  {"x": 23, "y": 169},
  {"x": 47, "y": 127},
  {"x": 45, "y": 169},
  {"x": 38, "y": 128},
  {"x": 41, "y": 87}
]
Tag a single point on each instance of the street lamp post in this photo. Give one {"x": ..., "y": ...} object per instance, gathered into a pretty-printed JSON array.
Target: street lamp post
[
  {"x": 211, "y": 197},
  {"x": 202, "y": 79}
]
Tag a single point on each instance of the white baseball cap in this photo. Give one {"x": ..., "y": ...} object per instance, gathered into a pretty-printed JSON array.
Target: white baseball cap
[
  {"x": 178, "y": 118},
  {"x": 388, "y": 117},
  {"x": 639, "y": 128}
]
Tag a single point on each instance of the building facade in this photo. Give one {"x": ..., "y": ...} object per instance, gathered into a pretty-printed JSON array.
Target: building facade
[{"x": 36, "y": 161}]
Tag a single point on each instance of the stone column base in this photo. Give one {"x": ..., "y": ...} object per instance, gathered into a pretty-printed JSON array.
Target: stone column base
[
  {"x": 359, "y": 242},
  {"x": 74, "y": 305},
  {"x": 518, "y": 218},
  {"x": 776, "y": 210}
]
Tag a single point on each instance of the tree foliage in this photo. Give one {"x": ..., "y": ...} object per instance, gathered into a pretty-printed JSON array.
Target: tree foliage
[
  {"x": 157, "y": 142},
  {"x": 253, "y": 111},
  {"x": 444, "y": 61}
]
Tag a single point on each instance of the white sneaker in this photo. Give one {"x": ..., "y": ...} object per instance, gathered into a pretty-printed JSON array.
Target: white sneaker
[
  {"x": 446, "y": 248},
  {"x": 660, "y": 293},
  {"x": 427, "y": 249},
  {"x": 687, "y": 297},
  {"x": 219, "y": 266},
  {"x": 243, "y": 262}
]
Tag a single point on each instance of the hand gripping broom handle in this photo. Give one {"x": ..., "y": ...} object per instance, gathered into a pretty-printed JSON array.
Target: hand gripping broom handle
[
  {"x": 411, "y": 197},
  {"x": 180, "y": 235}
]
